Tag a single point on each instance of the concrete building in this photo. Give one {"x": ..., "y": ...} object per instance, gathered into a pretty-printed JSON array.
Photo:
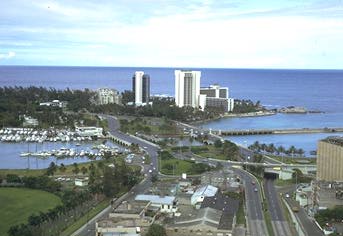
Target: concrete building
[
  {"x": 202, "y": 192},
  {"x": 206, "y": 221},
  {"x": 108, "y": 96},
  {"x": 30, "y": 121},
  {"x": 217, "y": 96},
  {"x": 167, "y": 204},
  {"x": 141, "y": 88},
  {"x": 187, "y": 89},
  {"x": 330, "y": 159},
  {"x": 88, "y": 131},
  {"x": 215, "y": 91},
  {"x": 54, "y": 103},
  {"x": 81, "y": 182}
]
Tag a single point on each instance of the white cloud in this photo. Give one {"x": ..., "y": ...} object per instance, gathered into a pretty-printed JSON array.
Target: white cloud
[
  {"x": 194, "y": 35},
  {"x": 7, "y": 55}
]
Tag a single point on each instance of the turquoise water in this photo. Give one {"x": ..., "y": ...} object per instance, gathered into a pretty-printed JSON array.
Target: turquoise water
[
  {"x": 308, "y": 142},
  {"x": 279, "y": 121}
]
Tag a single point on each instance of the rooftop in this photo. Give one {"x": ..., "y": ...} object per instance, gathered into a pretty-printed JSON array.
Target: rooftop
[
  {"x": 223, "y": 203},
  {"x": 168, "y": 200},
  {"x": 190, "y": 217},
  {"x": 207, "y": 191},
  {"x": 119, "y": 222},
  {"x": 336, "y": 140},
  {"x": 131, "y": 207}
]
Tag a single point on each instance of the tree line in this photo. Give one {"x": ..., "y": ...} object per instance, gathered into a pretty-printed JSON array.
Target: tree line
[{"x": 272, "y": 149}]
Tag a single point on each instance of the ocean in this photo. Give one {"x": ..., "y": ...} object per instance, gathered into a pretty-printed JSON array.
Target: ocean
[{"x": 313, "y": 89}]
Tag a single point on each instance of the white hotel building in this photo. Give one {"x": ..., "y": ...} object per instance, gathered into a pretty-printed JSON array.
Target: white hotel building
[
  {"x": 187, "y": 89},
  {"x": 141, "y": 88}
]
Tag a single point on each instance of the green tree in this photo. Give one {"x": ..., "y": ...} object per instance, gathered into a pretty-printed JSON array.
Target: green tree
[
  {"x": 156, "y": 230},
  {"x": 51, "y": 169},
  {"x": 84, "y": 170},
  {"x": 62, "y": 168},
  {"x": 218, "y": 143}
]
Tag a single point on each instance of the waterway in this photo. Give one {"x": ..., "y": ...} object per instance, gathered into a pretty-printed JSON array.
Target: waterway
[{"x": 10, "y": 154}]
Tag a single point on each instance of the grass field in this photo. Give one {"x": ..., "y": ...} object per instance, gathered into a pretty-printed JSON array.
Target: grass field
[
  {"x": 212, "y": 152},
  {"x": 17, "y": 204},
  {"x": 177, "y": 167}
]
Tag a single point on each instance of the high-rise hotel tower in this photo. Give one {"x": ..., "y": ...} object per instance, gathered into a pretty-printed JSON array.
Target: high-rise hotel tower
[
  {"x": 141, "y": 88},
  {"x": 187, "y": 89}
]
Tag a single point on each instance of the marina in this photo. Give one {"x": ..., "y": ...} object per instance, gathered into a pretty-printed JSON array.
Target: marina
[
  {"x": 20, "y": 155},
  {"x": 35, "y": 135}
]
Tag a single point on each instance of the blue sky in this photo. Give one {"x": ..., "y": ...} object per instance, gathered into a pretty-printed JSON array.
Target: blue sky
[{"x": 228, "y": 34}]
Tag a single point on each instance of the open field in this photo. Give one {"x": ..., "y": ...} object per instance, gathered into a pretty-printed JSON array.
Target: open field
[{"x": 17, "y": 204}]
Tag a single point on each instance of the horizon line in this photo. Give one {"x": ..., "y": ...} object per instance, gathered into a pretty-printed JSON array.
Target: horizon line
[{"x": 165, "y": 67}]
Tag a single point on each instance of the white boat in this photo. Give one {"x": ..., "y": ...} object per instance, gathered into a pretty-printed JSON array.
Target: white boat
[{"x": 25, "y": 154}]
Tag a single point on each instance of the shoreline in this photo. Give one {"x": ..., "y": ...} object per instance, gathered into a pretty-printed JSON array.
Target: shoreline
[{"x": 236, "y": 115}]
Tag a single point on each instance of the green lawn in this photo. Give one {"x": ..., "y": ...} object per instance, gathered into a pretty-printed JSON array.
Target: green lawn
[
  {"x": 17, "y": 204},
  {"x": 212, "y": 152},
  {"x": 177, "y": 167}
]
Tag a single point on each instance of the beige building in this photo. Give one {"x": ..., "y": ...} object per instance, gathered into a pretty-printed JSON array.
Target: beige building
[
  {"x": 330, "y": 159},
  {"x": 108, "y": 96}
]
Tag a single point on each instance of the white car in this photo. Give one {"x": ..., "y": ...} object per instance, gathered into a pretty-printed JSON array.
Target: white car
[{"x": 150, "y": 171}]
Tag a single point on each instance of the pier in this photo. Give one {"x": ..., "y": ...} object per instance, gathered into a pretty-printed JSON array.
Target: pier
[{"x": 276, "y": 131}]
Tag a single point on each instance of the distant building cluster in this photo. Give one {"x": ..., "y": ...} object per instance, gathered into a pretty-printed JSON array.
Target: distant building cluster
[
  {"x": 108, "y": 96},
  {"x": 189, "y": 93}
]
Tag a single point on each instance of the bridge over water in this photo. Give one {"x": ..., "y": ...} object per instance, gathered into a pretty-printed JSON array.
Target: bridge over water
[{"x": 275, "y": 131}]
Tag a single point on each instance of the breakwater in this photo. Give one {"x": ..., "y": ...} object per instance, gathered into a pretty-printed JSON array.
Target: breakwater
[{"x": 276, "y": 131}]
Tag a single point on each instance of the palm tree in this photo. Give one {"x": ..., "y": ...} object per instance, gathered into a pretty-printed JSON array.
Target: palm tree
[
  {"x": 84, "y": 170},
  {"x": 191, "y": 140},
  {"x": 292, "y": 150},
  {"x": 62, "y": 168},
  {"x": 301, "y": 151},
  {"x": 271, "y": 148}
]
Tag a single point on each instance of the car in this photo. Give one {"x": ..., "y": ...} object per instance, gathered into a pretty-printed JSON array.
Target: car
[
  {"x": 286, "y": 195},
  {"x": 255, "y": 189},
  {"x": 150, "y": 171},
  {"x": 295, "y": 209},
  {"x": 253, "y": 182},
  {"x": 154, "y": 168}
]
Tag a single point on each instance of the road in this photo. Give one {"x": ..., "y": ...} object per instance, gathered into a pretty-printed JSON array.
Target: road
[
  {"x": 256, "y": 222},
  {"x": 113, "y": 125},
  {"x": 280, "y": 225}
]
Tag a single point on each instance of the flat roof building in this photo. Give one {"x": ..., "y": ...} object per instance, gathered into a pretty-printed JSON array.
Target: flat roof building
[
  {"x": 217, "y": 96},
  {"x": 108, "y": 96},
  {"x": 164, "y": 203},
  {"x": 330, "y": 159}
]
